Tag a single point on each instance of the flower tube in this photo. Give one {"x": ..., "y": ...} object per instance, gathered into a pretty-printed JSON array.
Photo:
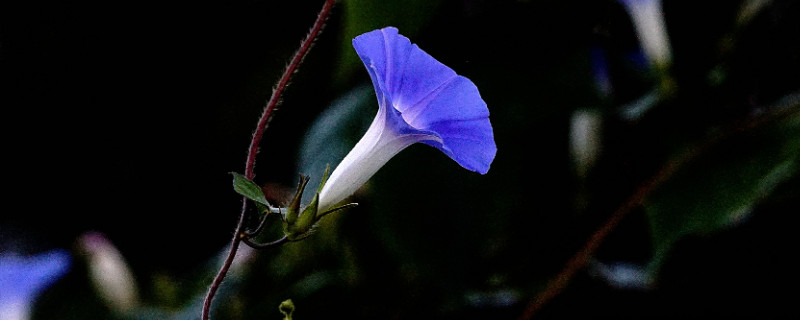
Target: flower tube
[
  {"x": 648, "y": 22},
  {"x": 419, "y": 100}
]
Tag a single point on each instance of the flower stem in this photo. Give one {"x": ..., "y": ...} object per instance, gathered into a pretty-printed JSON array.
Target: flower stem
[
  {"x": 274, "y": 100},
  {"x": 263, "y": 122}
]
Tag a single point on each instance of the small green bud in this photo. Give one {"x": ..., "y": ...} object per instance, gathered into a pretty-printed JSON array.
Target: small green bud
[
  {"x": 299, "y": 224},
  {"x": 287, "y": 308}
]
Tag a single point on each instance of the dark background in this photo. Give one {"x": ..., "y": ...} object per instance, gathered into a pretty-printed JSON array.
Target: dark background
[{"x": 127, "y": 117}]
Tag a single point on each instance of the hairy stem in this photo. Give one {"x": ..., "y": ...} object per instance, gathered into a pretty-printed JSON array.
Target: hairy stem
[{"x": 263, "y": 122}]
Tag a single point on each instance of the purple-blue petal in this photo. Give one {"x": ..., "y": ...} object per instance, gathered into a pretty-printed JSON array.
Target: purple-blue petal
[
  {"x": 24, "y": 277},
  {"x": 429, "y": 96},
  {"x": 384, "y": 54},
  {"x": 634, "y": 2},
  {"x": 466, "y": 142},
  {"x": 456, "y": 100},
  {"x": 425, "y": 77}
]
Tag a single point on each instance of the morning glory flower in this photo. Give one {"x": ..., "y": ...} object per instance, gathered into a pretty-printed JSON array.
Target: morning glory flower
[
  {"x": 22, "y": 278},
  {"x": 109, "y": 272},
  {"x": 648, "y": 22},
  {"x": 585, "y": 133},
  {"x": 419, "y": 100}
]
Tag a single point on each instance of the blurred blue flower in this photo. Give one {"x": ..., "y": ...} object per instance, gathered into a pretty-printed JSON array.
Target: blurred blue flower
[
  {"x": 622, "y": 275},
  {"x": 22, "y": 278},
  {"x": 602, "y": 78},
  {"x": 419, "y": 100}
]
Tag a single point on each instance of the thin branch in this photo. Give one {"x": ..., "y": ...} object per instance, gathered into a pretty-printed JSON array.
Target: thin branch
[
  {"x": 580, "y": 258},
  {"x": 249, "y": 241},
  {"x": 263, "y": 122},
  {"x": 784, "y": 108},
  {"x": 223, "y": 271},
  {"x": 261, "y": 224}
]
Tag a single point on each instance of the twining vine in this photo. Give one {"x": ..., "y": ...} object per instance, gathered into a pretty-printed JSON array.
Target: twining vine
[{"x": 241, "y": 235}]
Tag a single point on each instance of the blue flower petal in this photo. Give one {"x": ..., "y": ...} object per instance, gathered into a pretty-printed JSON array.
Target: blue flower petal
[
  {"x": 429, "y": 96},
  {"x": 464, "y": 142},
  {"x": 22, "y": 278}
]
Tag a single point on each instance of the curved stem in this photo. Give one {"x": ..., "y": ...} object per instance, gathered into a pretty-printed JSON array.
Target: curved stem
[
  {"x": 249, "y": 241},
  {"x": 217, "y": 282},
  {"x": 580, "y": 258},
  {"x": 260, "y": 226},
  {"x": 263, "y": 122},
  {"x": 788, "y": 106},
  {"x": 297, "y": 59}
]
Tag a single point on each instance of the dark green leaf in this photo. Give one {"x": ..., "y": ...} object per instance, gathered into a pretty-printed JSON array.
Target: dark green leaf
[
  {"x": 248, "y": 189},
  {"x": 721, "y": 185}
]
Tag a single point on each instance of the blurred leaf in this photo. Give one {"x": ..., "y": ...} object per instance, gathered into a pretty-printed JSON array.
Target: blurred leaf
[
  {"x": 720, "y": 187},
  {"x": 362, "y": 16},
  {"x": 335, "y": 132}
]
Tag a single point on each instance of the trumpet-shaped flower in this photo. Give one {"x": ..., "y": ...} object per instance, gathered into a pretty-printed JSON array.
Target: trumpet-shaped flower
[
  {"x": 22, "y": 278},
  {"x": 648, "y": 21},
  {"x": 419, "y": 100}
]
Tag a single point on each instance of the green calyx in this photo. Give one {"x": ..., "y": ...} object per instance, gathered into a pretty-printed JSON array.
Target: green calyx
[{"x": 299, "y": 223}]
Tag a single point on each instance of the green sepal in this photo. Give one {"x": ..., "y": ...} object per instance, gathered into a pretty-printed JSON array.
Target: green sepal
[
  {"x": 305, "y": 225},
  {"x": 342, "y": 207},
  {"x": 325, "y": 176},
  {"x": 293, "y": 210},
  {"x": 299, "y": 224}
]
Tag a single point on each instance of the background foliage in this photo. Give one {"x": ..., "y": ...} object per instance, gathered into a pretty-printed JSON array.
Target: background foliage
[{"x": 126, "y": 118}]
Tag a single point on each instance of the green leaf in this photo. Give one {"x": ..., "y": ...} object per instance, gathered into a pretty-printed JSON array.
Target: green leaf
[
  {"x": 249, "y": 190},
  {"x": 722, "y": 184}
]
